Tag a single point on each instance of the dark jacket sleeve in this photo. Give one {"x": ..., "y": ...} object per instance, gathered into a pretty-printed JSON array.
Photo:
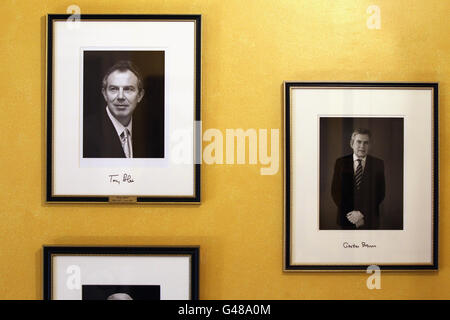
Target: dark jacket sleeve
[
  {"x": 336, "y": 185},
  {"x": 381, "y": 184}
]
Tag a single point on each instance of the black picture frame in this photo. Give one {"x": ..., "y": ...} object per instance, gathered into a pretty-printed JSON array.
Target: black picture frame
[
  {"x": 50, "y": 252},
  {"x": 156, "y": 198},
  {"x": 288, "y": 263}
]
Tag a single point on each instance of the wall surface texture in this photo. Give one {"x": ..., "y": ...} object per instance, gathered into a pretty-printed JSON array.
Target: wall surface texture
[{"x": 249, "y": 48}]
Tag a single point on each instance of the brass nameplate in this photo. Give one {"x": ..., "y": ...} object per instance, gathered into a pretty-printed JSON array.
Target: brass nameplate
[{"x": 122, "y": 199}]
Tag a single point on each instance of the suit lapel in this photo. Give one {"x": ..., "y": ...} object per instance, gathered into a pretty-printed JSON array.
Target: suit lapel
[
  {"x": 112, "y": 140},
  {"x": 349, "y": 165}
]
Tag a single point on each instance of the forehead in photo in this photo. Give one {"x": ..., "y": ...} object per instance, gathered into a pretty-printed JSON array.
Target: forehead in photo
[{"x": 119, "y": 296}]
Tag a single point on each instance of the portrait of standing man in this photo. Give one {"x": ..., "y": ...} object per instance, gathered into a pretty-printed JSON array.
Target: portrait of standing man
[
  {"x": 118, "y": 121},
  {"x": 361, "y": 170},
  {"x": 358, "y": 186}
]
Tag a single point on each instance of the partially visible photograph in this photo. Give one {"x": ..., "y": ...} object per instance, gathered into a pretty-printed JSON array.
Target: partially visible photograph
[
  {"x": 121, "y": 292},
  {"x": 123, "y": 104},
  {"x": 121, "y": 273},
  {"x": 361, "y": 173}
]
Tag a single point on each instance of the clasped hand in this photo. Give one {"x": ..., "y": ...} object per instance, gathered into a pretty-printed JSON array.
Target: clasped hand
[{"x": 356, "y": 217}]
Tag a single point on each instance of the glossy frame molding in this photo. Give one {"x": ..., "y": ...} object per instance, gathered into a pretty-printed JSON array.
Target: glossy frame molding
[
  {"x": 49, "y": 252},
  {"x": 292, "y": 266}
]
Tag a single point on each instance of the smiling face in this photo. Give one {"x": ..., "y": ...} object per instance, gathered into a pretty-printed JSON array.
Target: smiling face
[
  {"x": 122, "y": 95},
  {"x": 360, "y": 144}
]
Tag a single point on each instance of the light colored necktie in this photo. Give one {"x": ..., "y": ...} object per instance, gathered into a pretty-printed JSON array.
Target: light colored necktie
[
  {"x": 126, "y": 143},
  {"x": 358, "y": 174}
]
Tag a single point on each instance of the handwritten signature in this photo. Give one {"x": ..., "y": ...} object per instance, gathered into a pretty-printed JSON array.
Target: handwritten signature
[{"x": 115, "y": 178}]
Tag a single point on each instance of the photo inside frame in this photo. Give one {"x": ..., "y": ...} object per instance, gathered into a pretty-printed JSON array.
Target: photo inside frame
[
  {"x": 121, "y": 292},
  {"x": 379, "y": 195},
  {"x": 103, "y": 68}
]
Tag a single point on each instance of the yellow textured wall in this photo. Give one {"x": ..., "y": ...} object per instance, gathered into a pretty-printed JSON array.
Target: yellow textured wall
[{"x": 249, "y": 48}]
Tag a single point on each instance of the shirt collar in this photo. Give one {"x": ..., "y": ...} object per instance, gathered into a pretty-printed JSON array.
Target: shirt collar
[
  {"x": 356, "y": 158},
  {"x": 118, "y": 126}
]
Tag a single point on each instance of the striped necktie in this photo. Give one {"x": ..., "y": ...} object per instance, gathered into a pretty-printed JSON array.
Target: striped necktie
[
  {"x": 358, "y": 174},
  {"x": 126, "y": 143}
]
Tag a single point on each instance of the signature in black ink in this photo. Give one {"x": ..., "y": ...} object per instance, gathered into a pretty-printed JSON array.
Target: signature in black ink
[
  {"x": 357, "y": 246},
  {"x": 126, "y": 178},
  {"x": 111, "y": 178}
]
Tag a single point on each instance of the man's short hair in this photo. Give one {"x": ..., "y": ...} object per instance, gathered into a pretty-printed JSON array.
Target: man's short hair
[
  {"x": 122, "y": 66},
  {"x": 360, "y": 131}
]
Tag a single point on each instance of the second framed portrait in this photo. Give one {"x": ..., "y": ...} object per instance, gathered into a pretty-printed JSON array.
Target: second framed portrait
[
  {"x": 123, "y": 108},
  {"x": 361, "y": 176}
]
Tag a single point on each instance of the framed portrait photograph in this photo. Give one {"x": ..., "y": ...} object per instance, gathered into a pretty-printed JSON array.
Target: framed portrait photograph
[
  {"x": 361, "y": 176},
  {"x": 121, "y": 273},
  {"x": 123, "y": 108}
]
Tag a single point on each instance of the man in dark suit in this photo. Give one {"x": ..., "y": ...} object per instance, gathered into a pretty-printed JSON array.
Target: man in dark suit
[
  {"x": 358, "y": 186},
  {"x": 112, "y": 133}
]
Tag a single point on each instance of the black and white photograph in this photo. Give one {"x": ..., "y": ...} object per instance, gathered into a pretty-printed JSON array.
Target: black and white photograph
[
  {"x": 120, "y": 292},
  {"x": 121, "y": 273},
  {"x": 360, "y": 176},
  {"x": 361, "y": 173},
  {"x": 123, "y": 104},
  {"x": 123, "y": 108}
]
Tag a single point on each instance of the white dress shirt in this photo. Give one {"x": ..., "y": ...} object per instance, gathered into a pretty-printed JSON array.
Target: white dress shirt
[{"x": 120, "y": 128}]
